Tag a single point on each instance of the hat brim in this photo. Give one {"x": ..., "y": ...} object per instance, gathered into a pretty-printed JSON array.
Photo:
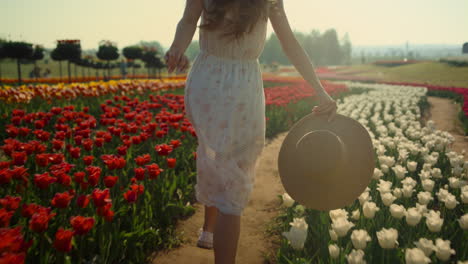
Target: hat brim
[{"x": 328, "y": 192}]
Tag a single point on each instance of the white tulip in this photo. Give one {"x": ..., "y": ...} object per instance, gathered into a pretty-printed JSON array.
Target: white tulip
[
  {"x": 422, "y": 208},
  {"x": 387, "y": 198},
  {"x": 409, "y": 181},
  {"x": 400, "y": 171},
  {"x": 338, "y": 213},
  {"x": 413, "y": 216},
  {"x": 442, "y": 194},
  {"x": 407, "y": 191},
  {"x": 384, "y": 186},
  {"x": 384, "y": 168},
  {"x": 341, "y": 226},
  {"x": 356, "y": 257},
  {"x": 433, "y": 221},
  {"x": 397, "y": 211},
  {"x": 426, "y": 245},
  {"x": 388, "y": 238},
  {"x": 298, "y": 233},
  {"x": 397, "y": 192},
  {"x": 463, "y": 221},
  {"x": 334, "y": 251},
  {"x": 333, "y": 235},
  {"x": 454, "y": 182},
  {"x": 287, "y": 200},
  {"x": 443, "y": 250},
  {"x": 415, "y": 256},
  {"x": 412, "y": 165},
  {"x": 451, "y": 201},
  {"x": 428, "y": 185},
  {"x": 424, "y": 175},
  {"x": 364, "y": 197},
  {"x": 369, "y": 209},
  {"x": 356, "y": 214},
  {"x": 359, "y": 238},
  {"x": 436, "y": 173},
  {"x": 427, "y": 167},
  {"x": 424, "y": 197},
  {"x": 377, "y": 174},
  {"x": 464, "y": 196}
]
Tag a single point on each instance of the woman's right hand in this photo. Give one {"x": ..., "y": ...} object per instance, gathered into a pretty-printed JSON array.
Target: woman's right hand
[
  {"x": 327, "y": 106},
  {"x": 176, "y": 59}
]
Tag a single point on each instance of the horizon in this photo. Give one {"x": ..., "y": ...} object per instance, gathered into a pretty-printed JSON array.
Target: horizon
[{"x": 420, "y": 22}]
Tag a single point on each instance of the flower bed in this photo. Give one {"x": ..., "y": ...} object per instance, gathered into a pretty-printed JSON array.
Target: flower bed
[
  {"x": 101, "y": 172},
  {"x": 414, "y": 209}
]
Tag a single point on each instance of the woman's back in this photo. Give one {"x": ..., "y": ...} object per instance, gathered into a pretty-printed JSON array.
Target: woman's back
[{"x": 248, "y": 47}]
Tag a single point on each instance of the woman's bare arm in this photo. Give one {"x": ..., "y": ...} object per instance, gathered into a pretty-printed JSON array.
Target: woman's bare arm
[
  {"x": 291, "y": 46},
  {"x": 184, "y": 34}
]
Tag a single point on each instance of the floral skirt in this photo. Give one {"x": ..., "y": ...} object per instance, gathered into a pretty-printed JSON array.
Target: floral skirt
[{"x": 225, "y": 102}]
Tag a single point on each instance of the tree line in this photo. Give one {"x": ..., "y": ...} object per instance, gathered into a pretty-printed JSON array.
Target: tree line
[
  {"x": 322, "y": 48},
  {"x": 69, "y": 50}
]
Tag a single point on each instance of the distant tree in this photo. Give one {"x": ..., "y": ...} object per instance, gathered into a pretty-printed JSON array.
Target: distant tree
[
  {"x": 152, "y": 59},
  {"x": 193, "y": 50},
  {"x": 18, "y": 50},
  {"x": 56, "y": 56},
  {"x": 346, "y": 47},
  {"x": 465, "y": 48},
  {"x": 2, "y": 56},
  {"x": 70, "y": 50},
  {"x": 332, "y": 50},
  {"x": 107, "y": 51},
  {"x": 152, "y": 44},
  {"x": 38, "y": 54},
  {"x": 131, "y": 53}
]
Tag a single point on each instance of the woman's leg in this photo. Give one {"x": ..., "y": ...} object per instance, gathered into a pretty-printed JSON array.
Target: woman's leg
[
  {"x": 211, "y": 213},
  {"x": 225, "y": 238}
]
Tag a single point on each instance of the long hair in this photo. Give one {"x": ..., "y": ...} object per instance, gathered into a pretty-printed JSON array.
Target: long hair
[{"x": 246, "y": 15}]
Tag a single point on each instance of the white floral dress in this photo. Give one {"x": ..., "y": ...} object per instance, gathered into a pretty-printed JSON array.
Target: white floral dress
[{"x": 225, "y": 102}]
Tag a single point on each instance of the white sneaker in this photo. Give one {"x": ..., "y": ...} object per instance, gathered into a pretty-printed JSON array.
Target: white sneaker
[{"x": 205, "y": 239}]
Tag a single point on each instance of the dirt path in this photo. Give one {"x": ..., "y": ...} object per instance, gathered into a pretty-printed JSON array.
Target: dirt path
[
  {"x": 444, "y": 113},
  {"x": 264, "y": 205}
]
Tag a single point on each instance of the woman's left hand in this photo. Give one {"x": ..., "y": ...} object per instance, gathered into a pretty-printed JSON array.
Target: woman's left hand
[{"x": 176, "y": 60}]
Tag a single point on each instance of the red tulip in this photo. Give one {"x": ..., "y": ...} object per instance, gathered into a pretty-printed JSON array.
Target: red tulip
[
  {"x": 5, "y": 217},
  {"x": 10, "y": 203},
  {"x": 43, "y": 180},
  {"x": 19, "y": 158},
  {"x": 130, "y": 196},
  {"x": 110, "y": 181},
  {"x": 81, "y": 225},
  {"x": 143, "y": 159},
  {"x": 153, "y": 170},
  {"x": 106, "y": 211},
  {"x": 5, "y": 176},
  {"x": 88, "y": 160},
  {"x": 78, "y": 177},
  {"x": 39, "y": 221},
  {"x": 82, "y": 201},
  {"x": 101, "y": 197},
  {"x": 61, "y": 200},
  {"x": 140, "y": 173},
  {"x": 171, "y": 162},
  {"x": 42, "y": 159},
  {"x": 75, "y": 152},
  {"x": 163, "y": 149},
  {"x": 63, "y": 239},
  {"x": 29, "y": 209}
]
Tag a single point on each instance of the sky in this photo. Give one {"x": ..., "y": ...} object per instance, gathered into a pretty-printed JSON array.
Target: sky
[{"x": 367, "y": 22}]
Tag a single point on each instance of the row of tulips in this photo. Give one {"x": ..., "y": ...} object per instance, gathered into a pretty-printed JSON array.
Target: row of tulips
[
  {"x": 57, "y": 80},
  {"x": 104, "y": 178},
  {"x": 414, "y": 209}
]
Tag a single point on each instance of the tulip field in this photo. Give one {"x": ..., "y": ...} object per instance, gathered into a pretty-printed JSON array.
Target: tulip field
[
  {"x": 414, "y": 209},
  {"x": 100, "y": 172}
]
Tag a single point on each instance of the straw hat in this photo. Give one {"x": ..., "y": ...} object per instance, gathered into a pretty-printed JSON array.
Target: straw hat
[{"x": 326, "y": 165}]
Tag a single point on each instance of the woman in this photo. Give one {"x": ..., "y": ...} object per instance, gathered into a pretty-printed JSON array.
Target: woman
[{"x": 224, "y": 100}]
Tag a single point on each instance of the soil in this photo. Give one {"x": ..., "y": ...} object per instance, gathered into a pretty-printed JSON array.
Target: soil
[
  {"x": 444, "y": 113},
  {"x": 255, "y": 246}
]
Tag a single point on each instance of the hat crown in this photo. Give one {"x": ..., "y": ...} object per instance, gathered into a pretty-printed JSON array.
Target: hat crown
[{"x": 320, "y": 152}]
